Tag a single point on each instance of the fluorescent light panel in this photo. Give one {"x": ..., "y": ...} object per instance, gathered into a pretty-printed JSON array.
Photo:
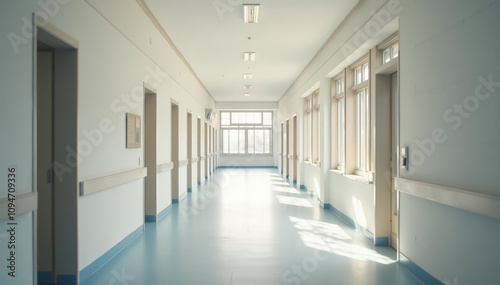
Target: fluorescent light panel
[
  {"x": 251, "y": 13},
  {"x": 249, "y": 56},
  {"x": 247, "y": 94},
  {"x": 247, "y": 87},
  {"x": 247, "y": 76}
]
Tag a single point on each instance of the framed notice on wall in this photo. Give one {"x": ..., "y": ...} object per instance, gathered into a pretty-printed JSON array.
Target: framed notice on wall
[{"x": 133, "y": 131}]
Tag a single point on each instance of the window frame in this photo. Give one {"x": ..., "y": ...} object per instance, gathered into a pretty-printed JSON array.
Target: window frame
[
  {"x": 244, "y": 128},
  {"x": 338, "y": 121}
]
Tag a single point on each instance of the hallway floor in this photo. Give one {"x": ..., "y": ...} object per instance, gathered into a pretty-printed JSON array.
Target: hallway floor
[{"x": 249, "y": 226}]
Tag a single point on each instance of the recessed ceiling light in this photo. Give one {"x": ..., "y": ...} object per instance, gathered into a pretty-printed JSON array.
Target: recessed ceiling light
[
  {"x": 247, "y": 76},
  {"x": 249, "y": 56},
  {"x": 247, "y": 87},
  {"x": 251, "y": 13},
  {"x": 247, "y": 94}
]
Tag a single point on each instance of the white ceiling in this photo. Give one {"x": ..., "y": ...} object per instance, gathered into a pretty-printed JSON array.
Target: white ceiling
[{"x": 212, "y": 37}]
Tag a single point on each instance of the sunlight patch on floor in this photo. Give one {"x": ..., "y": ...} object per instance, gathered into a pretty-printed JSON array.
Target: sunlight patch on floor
[{"x": 331, "y": 238}]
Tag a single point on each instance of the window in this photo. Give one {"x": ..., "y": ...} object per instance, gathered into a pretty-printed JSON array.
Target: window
[
  {"x": 311, "y": 127},
  {"x": 308, "y": 129},
  {"x": 390, "y": 53},
  {"x": 362, "y": 131},
  {"x": 338, "y": 122},
  {"x": 315, "y": 127},
  {"x": 340, "y": 134},
  {"x": 246, "y": 132},
  {"x": 361, "y": 74}
]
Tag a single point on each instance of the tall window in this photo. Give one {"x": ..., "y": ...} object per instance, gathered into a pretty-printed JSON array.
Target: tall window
[
  {"x": 246, "y": 132},
  {"x": 308, "y": 129},
  {"x": 340, "y": 97},
  {"x": 362, "y": 131},
  {"x": 315, "y": 128},
  {"x": 311, "y": 127}
]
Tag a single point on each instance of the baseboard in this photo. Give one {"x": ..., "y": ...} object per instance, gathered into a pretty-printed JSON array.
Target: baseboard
[
  {"x": 380, "y": 241},
  {"x": 45, "y": 278},
  {"x": 66, "y": 279},
  {"x": 106, "y": 257},
  {"x": 164, "y": 212},
  {"x": 190, "y": 190},
  {"x": 418, "y": 271},
  {"x": 176, "y": 201},
  {"x": 159, "y": 216}
]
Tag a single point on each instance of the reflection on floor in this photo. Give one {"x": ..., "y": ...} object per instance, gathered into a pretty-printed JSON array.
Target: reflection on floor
[{"x": 249, "y": 226}]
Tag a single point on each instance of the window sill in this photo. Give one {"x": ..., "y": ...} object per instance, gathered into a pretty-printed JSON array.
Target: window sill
[
  {"x": 338, "y": 172},
  {"x": 358, "y": 178}
]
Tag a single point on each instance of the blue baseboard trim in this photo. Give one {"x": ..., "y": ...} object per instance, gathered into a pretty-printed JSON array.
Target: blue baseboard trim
[
  {"x": 66, "y": 279},
  {"x": 206, "y": 177},
  {"x": 384, "y": 241},
  {"x": 190, "y": 190},
  {"x": 164, "y": 212},
  {"x": 176, "y": 201},
  {"x": 183, "y": 196},
  {"x": 106, "y": 257},
  {"x": 418, "y": 271},
  {"x": 45, "y": 278},
  {"x": 199, "y": 183},
  {"x": 303, "y": 188},
  {"x": 149, "y": 219},
  {"x": 294, "y": 181}
]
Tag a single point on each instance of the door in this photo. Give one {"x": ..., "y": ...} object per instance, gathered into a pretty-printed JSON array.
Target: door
[
  {"x": 294, "y": 150},
  {"x": 287, "y": 148},
  {"x": 282, "y": 149},
  {"x": 55, "y": 135},
  {"x": 198, "y": 149},
  {"x": 150, "y": 160},
  {"x": 189, "y": 151},
  {"x": 45, "y": 160},
  {"x": 394, "y": 158},
  {"x": 175, "y": 152}
]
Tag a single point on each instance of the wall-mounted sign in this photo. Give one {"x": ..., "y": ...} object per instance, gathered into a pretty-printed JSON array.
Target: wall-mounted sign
[{"x": 133, "y": 131}]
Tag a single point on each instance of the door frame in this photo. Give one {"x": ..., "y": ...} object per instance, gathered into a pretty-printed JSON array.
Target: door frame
[
  {"x": 150, "y": 150},
  {"x": 174, "y": 149},
  {"x": 65, "y": 97}
]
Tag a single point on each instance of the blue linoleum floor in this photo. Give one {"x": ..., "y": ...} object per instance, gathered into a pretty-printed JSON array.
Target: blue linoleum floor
[{"x": 249, "y": 226}]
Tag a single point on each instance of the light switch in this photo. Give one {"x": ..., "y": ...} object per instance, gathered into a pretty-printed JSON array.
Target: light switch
[{"x": 404, "y": 158}]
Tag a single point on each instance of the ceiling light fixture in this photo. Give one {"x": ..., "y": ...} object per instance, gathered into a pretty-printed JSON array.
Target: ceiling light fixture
[
  {"x": 247, "y": 87},
  {"x": 249, "y": 56},
  {"x": 247, "y": 94},
  {"x": 247, "y": 76},
  {"x": 251, "y": 13}
]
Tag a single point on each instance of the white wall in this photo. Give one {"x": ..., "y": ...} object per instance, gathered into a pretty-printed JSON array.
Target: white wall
[
  {"x": 442, "y": 61},
  {"x": 120, "y": 49},
  {"x": 16, "y": 111}
]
